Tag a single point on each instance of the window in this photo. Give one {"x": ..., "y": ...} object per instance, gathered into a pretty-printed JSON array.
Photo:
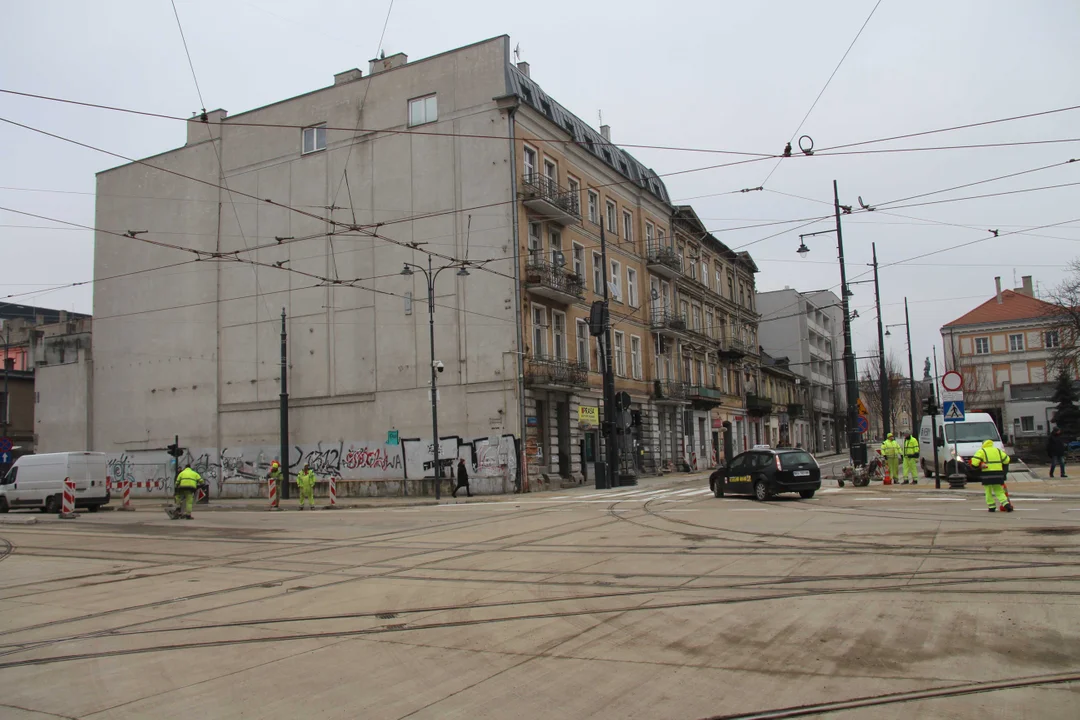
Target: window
[
  {"x": 631, "y": 287},
  {"x": 583, "y": 344},
  {"x": 616, "y": 271},
  {"x": 573, "y": 189},
  {"x": 579, "y": 260},
  {"x": 719, "y": 285},
  {"x": 551, "y": 173},
  {"x": 555, "y": 246},
  {"x": 1027, "y": 424},
  {"x": 620, "y": 355},
  {"x": 558, "y": 335},
  {"x": 982, "y": 346},
  {"x": 536, "y": 250},
  {"x": 697, "y": 318},
  {"x": 423, "y": 110},
  {"x": 730, "y": 287},
  {"x": 314, "y": 139},
  {"x": 611, "y": 226},
  {"x": 650, "y": 231},
  {"x": 1016, "y": 343},
  {"x": 635, "y": 356},
  {"x": 597, "y": 274},
  {"x": 628, "y": 226},
  {"x": 684, "y": 311},
  {"x": 702, "y": 380},
  {"x": 594, "y": 207},
  {"x": 660, "y": 237},
  {"x": 1052, "y": 339},
  {"x": 530, "y": 165},
  {"x": 539, "y": 340},
  {"x": 709, "y": 321},
  {"x": 704, "y": 272}
]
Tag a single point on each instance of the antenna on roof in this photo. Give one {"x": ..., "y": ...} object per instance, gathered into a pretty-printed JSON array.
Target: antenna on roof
[{"x": 517, "y": 52}]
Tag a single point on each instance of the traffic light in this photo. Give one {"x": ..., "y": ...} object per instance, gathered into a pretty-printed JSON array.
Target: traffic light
[
  {"x": 930, "y": 405},
  {"x": 175, "y": 450}
]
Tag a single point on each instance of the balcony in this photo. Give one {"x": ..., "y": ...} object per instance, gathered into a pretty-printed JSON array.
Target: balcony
[
  {"x": 553, "y": 282},
  {"x": 795, "y": 410},
  {"x": 544, "y": 196},
  {"x": 703, "y": 397},
  {"x": 758, "y": 405},
  {"x": 663, "y": 261},
  {"x": 670, "y": 392},
  {"x": 707, "y": 338},
  {"x": 542, "y": 371},
  {"x": 667, "y": 323},
  {"x": 733, "y": 347}
]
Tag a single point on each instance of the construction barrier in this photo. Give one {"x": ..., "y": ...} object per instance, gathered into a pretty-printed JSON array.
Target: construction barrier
[
  {"x": 126, "y": 505},
  {"x": 888, "y": 476},
  {"x": 67, "y": 508},
  {"x": 273, "y": 495},
  {"x": 202, "y": 497},
  {"x": 333, "y": 491}
]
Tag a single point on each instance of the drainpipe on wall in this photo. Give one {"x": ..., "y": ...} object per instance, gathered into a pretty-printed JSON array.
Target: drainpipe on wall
[{"x": 511, "y": 110}]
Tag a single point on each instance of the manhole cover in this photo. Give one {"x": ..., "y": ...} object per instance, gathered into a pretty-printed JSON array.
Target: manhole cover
[
  {"x": 398, "y": 626},
  {"x": 386, "y": 616}
]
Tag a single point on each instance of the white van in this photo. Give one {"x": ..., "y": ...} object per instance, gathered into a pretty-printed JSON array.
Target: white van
[
  {"x": 955, "y": 440},
  {"x": 37, "y": 481}
]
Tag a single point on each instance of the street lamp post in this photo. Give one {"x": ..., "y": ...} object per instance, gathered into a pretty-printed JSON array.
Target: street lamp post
[
  {"x": 430, "y": 275},
  {"x": 910, "y": 363}
]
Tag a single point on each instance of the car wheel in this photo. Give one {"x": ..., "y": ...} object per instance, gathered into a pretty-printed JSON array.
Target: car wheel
[
  {"x": 93, "y": 508},
  {"x": 4, "y": 505},
  {"x": 806, "y": 494},
  {"x": 761, "y": 491},
  {"x": 52, "y": 504},
  {"x": 927, "y": 473},
  {"x": 718, "y": 489}
]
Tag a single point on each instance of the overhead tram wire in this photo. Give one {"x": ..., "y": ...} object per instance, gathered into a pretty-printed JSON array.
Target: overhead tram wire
[{"x": 825, "y": 87}]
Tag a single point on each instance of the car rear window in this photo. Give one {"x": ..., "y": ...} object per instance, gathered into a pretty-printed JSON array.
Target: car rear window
[{"x": 792, "y": 460}]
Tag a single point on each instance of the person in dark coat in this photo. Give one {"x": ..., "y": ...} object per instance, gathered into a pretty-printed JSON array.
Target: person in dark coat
[
  {"x": 462, "y": 479},
  {"x": 1055, "y": 448}
]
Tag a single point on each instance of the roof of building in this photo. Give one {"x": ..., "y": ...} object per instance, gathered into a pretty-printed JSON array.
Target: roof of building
[
  {"x": 1014, "y": 306},
  {"x": 30, "y": 313},
  {"x": 687, "y": 215},
  {"x": 621, "y": 161}
]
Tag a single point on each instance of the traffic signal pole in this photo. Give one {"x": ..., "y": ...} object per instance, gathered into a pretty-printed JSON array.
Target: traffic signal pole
[
  {"x": 283, "y": 491},
  {"x": 611, "y": 450}
]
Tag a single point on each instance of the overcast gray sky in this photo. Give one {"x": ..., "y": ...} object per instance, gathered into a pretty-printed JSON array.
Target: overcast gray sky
[{"x": 709, "y": 74}]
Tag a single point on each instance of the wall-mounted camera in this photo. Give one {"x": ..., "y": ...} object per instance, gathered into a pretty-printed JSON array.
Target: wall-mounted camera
[{"x": 438, "y": 365}]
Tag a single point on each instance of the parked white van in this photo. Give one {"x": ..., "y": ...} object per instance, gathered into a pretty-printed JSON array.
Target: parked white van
[
  {"x": 37, "y": 481},
  {"x": 955, "y": 440}
]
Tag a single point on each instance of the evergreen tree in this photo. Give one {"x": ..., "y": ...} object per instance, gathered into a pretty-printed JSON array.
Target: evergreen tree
[{"x": 1067, "y": 416}]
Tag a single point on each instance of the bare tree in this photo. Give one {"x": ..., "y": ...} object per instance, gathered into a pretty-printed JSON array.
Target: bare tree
[
  {"x": 870, "y": 388},
  {"x": 1065, "y": 310}
]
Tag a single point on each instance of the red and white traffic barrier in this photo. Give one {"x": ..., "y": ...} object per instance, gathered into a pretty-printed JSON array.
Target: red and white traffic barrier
[
  {"x": 273, "y": 495},
  {"x": 333, "y": 491},
  {"x": 201, "y": 495},
  {"x": 67, "y": 508},
  {"x": 126, "y": 505}
]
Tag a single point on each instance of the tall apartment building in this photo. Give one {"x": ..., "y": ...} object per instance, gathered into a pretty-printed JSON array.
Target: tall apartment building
[
  {"x": 462, "y": 156},
  {"x": 807, "y": 328},
  {"x": 1000, "y": 347}
]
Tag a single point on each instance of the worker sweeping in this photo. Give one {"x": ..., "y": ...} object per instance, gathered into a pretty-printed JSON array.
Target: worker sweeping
[
  {"x": 305, "y": 484},
  {"x": 186, "y": 483},
  {"x": 911, "y": 459},
  {"x": 991, "y": 467},
  {"x": 891, "y": 450}
]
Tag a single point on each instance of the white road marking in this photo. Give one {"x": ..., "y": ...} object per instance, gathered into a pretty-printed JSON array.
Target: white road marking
[
  {"x": 869, "y": 499},
  {"x": 749, "y": 510},
  {"x": 943, "y": 499}
]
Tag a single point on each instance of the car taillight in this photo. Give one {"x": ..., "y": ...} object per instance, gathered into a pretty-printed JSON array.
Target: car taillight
[{"x": 778, "y": 462}]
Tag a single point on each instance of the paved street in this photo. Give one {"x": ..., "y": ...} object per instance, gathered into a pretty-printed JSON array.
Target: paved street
[{"x": 657, "y": 601}]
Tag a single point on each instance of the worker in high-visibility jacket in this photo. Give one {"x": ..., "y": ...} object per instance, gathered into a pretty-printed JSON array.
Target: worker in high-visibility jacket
[
  {"x": 911, "y": 459},
  {"x": 184, "y": 497},
  {"x": 305, "y": 484},
  {"x": 991, "y": 466},
  {"x": 891, "y": 450}
]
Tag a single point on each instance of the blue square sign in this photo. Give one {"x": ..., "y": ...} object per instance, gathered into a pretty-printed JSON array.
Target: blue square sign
[{"x": 953, "y": 410}]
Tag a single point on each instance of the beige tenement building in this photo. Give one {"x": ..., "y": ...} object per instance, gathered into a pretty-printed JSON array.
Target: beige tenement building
[{"x": 313, "y": 205}]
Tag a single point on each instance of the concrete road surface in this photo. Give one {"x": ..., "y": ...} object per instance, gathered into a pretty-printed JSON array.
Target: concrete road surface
[{"x": 658, "y": 601}]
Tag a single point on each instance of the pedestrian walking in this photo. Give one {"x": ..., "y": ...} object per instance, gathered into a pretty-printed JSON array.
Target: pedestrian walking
[
  {"x": 305, "y": 484},
  {"x": 992, "y": 466},
  {"x": 184, "y": 497},
  {"x": 1055, "y": 448},
  {"x": 462, "y": 479},
  {"x": 911, "y": 459},
  {"x": 891, "y": 450}
]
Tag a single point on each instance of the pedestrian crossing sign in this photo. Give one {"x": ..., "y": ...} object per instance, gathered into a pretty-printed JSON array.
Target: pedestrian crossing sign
[{"x": 954, "y": 410}]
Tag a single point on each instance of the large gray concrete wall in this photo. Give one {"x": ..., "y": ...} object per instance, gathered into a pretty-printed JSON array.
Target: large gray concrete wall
[
  {"x": 62, "y": 419},
  {"x": 358, "y": 353}
]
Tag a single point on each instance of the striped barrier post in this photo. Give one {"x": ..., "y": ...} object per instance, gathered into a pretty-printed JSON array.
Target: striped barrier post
[
  {"x": 333, "y": 492},
  {"x": 126, "y": 505},
  {"x": 273, "y": 495},
  {"x": 67, "y": 508}
]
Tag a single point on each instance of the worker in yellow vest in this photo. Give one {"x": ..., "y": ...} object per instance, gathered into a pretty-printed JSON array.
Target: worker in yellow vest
[
  {"x": 890, "y": 449},
  {"x": 305, "y": 483},
  {"x": 911, "y": 459},
  {"x": 992, "y": 465},
  {"x": 186, "y": 483}
]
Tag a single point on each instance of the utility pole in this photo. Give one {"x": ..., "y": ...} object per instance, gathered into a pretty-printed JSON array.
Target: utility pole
[
  {"x": 911, "y": 373},
  {"x": 883, "y": 376},
  {"x": 856, "y": 448},
  {"x": 611, "y": 450},
  {"x": 7, "y": 364},
  {"x": 283, "y": 491},
  {"x": 434, "y": 390}
]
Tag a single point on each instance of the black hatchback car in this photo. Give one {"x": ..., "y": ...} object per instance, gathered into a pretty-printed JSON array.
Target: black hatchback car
[{"x": 764, "y": 472}]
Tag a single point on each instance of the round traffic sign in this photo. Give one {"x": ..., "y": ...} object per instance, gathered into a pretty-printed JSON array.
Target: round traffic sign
[
  {"x": 5, "y": 444},
  {"x": 952, "y": 381},
  {"x": 862, "y": 424}
]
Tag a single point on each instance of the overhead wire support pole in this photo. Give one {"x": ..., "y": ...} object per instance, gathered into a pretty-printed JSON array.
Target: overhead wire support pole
[
  {"x": 911, "y": 372},
  {"x": 883, "y": 377},
  {"x": 856, "y": 448},
  {"x": 611, "y": 450},
  {"x": 283, "y": 491}
]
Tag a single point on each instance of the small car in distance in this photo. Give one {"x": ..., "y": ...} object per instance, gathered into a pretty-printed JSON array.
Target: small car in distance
[{"x": 764, "y": 472}]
